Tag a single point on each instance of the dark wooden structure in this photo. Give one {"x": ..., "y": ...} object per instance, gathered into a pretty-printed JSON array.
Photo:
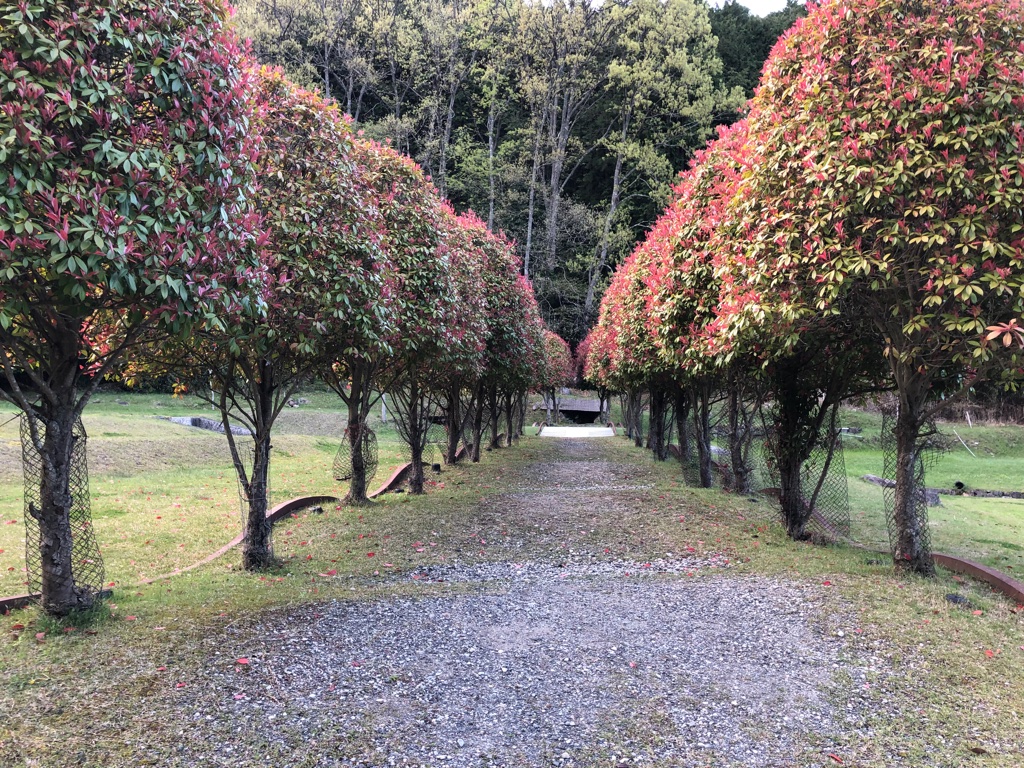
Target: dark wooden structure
[{"x": 578, "y": 410}]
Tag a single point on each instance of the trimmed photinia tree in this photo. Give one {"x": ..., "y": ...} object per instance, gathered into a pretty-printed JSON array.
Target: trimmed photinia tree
[
  {"x": 689, "y": 277},
  {"x": 323, "y": 286},
  {"x": 463, "y": 368},
  {"x": 581, "y": 363},
  {"x": 886, "y": 184},
  {"x": 508, "y": 338},
  {"x": 604, "y": 359},
  {"x": 558, "y": 368},
  {"x": 124, "y": 179},
  {"x": 419, "y": 293},
  {"x": 434, "y": 367}
]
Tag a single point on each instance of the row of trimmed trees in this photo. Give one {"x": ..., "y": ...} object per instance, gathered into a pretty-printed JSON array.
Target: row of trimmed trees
[
  {"x": 858, "y": 231},
  {"x": 167, "y": 204}
]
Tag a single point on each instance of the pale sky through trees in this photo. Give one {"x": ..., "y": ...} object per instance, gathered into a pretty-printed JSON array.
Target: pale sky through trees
[{"x": 760, "y": 7}]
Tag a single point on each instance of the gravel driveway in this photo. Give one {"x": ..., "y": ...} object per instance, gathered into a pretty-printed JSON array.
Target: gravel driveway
[{"x": 539, "y": 662}]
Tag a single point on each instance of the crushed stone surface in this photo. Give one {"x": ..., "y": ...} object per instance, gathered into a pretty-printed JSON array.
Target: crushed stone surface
[
  {"x": 539, "y": 666},
  {"x": 543, "y": 658}
]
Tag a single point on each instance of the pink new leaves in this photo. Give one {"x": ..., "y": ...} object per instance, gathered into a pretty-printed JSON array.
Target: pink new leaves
[
  {"x": 888, "y": 141},
  {"x": 322, "y": 230},
  {"x": 124, "y": 162}
]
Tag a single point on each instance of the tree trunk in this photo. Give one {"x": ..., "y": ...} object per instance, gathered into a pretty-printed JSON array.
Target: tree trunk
[
  {"x": 596, "y": 271},
  {"x": 492, "y": 140},
  {"x": 509, "y": 421},
  {"x": 740, "y": 435},
  {"x": 532, "y": 200},
  {"x": 659, "y": 407},
  {"x": 257, "y": 553},
  {"x": 702, "y": 430},
  {"x": 791, "y": 449},
  {"x": 910, "y": 552},
  {"x": 55, "y": 436},
  {"x": 638, "y": 419},
  {"x": 453, "y": 421},
  {"x": 256, "y": 548},
  {"x": 560, "y": 146},
  {"x": 416, "y": 437},
  {"x": 478, "y": 422},
  {"x": 492, "y": 406},
  {"x": 682, "y": 407},
  {"x": 354, "y": 435}
]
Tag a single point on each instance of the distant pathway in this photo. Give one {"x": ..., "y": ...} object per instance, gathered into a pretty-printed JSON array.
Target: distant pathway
[{"x": 546, "y": 657}]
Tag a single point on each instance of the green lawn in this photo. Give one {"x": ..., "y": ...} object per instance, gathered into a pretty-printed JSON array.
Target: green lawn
[
  {"x": 989, "y": 530},
  {"x": 164, "y": 496}
]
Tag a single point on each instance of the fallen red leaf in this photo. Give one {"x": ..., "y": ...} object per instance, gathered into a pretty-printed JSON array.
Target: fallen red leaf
[
  {"x": 977, "y": 613},
  {"x": 130, "y": 618},
  {"x": 40, "y": 637},
  {"x": 17, "y": 626},
  {"x": 837, "y": 758},
  {"x": 989, "y": 653},
  {"x": 370, "y": 554},
  {"x": 242, "y": 660}
]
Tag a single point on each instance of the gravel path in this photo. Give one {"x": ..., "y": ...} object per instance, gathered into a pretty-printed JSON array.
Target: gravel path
[{"x": 537, "y": 663}]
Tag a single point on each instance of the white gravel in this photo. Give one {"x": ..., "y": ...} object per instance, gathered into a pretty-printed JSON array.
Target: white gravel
[
  {"x": 549, "y": 657},
  {"x": 541, "y": 666}
]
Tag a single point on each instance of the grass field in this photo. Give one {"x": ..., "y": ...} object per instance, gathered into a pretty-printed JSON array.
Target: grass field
[
  {"x": 164, "y": 496},
  {"x": 987, "y": 530}
]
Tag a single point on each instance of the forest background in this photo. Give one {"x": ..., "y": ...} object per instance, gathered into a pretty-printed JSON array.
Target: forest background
[{"x": 561, "y": 123}]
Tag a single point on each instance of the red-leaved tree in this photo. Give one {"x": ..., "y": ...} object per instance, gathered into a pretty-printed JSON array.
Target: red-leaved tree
[
  {"x": 887, "y": 185},
  {"x": 124, "y": 178},
  {"x": 324, "y": 282}
]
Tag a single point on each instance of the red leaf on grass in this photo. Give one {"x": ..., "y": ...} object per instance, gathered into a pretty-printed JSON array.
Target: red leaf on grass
[
  {"x": 242, "y": 661},
  {"x": 837, "y": 758},
  {"x": 370, "y": 554}
]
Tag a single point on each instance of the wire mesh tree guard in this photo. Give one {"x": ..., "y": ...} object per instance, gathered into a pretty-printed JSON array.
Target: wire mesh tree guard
[
  {"x": 824, "y": 489},
  {"x": 246, "y": 447},
  {"x": 436, "y": 443},
  {"x": 929, "y": 448},
  {"x": 247, "y": 453},
  {"x": 86, "y": 577},
  {"x": 343, "y": 459}
]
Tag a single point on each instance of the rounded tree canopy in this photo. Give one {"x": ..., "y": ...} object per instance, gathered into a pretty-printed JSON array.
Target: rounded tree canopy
[
  {"x": 125, "y": 161},
  {"x": 321, "y": 229},
  {"x": 558, "y": 364},
  {"x": 694, "y": 257},
  {"x": 419, "y": 287},
  {"x": 887, "y": 180}
]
